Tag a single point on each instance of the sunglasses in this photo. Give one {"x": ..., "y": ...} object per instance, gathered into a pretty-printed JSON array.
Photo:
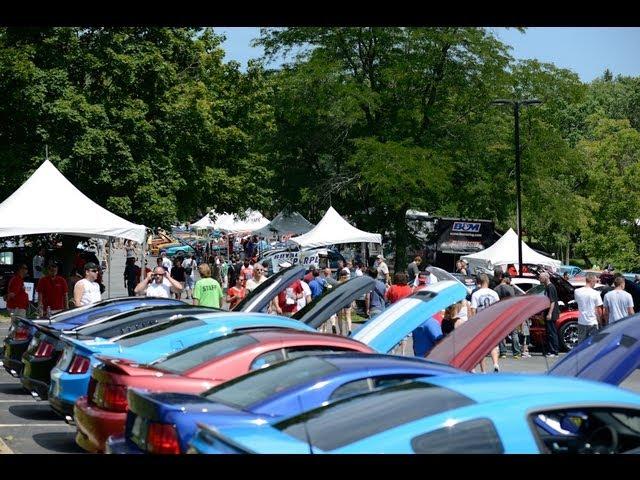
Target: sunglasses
[{"x": 94, "y": 271}]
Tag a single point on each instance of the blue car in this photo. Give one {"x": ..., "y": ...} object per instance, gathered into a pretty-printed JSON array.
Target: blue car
[
  {"x": 22, "y": 330},
  {"x": 283, "y": 390},
  {"x": 571, "y": 270},
  {"x": 486, "y": 414},
  {"x": 70, "y": 377},
  {"x": 381, "y": 333}
]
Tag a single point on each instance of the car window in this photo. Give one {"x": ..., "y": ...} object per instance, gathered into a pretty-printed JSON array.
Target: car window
[
  {"x": 147, "y": 334},
  {"x": 266, "y": 359},
  {"x": 347, "y": 421},
  {"x": 261, "y": 384},
  {"x": 473, "y": 436},
  {"x": 587, "y": 430},
  {"x": 297, "y": 352},
  {"x": 204, "y": 352}
]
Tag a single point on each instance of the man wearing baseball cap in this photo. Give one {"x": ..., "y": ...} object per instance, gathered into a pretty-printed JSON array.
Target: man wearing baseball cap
[
  {"x": 383, "y": 269},
  {"x": 87, "y": 290}
]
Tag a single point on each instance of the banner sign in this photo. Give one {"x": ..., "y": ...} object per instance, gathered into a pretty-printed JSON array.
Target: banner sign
[
  {"x": 294, "y": 258},
  {"x": 463, "y": 237}
]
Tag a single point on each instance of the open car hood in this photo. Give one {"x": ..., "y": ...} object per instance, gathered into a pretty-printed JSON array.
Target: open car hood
[
  {"x": 386, "y": 330},
  {"x": 609, "y": 356},
  {"x": 443, "y": 275},
  {"x": 258, "y": 300},
  {"x": 467, "y": 345},
  {"x": 321, "y": 309}
]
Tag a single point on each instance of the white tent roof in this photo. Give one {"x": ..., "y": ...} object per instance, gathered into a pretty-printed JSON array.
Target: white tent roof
[
  {"x": 504, "y": 252},
  {"x": 232, "y": 223},
  {"x": 333, "y": 229},
  {"x": 49, "y": 203}
]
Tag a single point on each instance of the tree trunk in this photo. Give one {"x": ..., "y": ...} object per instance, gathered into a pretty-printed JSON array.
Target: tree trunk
[{"x": 402, "y": 239}]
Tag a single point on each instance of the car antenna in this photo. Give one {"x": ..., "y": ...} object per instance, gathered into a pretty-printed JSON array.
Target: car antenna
[{"x": 304, "y": 424}]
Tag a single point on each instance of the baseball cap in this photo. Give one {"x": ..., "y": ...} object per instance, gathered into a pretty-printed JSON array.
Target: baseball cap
[
  {"x": 90, "y": 266},
  {"x": 380, "y": 257},
  {"x": 284, "y": 264}
]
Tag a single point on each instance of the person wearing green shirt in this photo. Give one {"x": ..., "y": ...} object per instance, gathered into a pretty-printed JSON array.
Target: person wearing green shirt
[{"x": 207, "y": 291}]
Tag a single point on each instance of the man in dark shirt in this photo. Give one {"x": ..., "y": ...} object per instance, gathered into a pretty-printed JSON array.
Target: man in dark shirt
[
  {"x": 413, "y": 269},
  {"x": 550, "y": 316},
  {"x": 505, "y": 290}
]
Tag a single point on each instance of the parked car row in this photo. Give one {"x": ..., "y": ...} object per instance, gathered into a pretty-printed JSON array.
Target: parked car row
[{"x": 171, "y": 378}]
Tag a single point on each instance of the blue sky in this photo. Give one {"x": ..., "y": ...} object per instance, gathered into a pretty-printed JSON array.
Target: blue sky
[{"x": 586, "y": 51}]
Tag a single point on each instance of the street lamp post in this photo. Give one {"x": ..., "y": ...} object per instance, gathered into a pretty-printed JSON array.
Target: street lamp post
[{"x": 516, "y": 113}]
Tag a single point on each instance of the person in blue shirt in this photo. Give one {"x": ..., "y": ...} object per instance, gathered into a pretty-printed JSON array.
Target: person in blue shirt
[
  {"x": 316, "y": 285},
  {"x": 374, "y": 302},
  {"x": 426, "y": 336}
]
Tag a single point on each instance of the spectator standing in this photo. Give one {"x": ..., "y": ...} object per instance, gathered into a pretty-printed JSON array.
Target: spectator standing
[
  {"x": 326, "y": 274},
  {"x": 426, "y": 336},
  {"x": 257, "y": 278},
  {"x": 358, "y": 271},
  {"x": 618, "y": 304},
  {"x": 87, "y": 290},
  {"x": 383, "y": 269},
  {"x": 306, "y": 295},
  {"x": 414, "y": 269},
  {"x": 17, "y": 297},
  {"x": 246, "y": 271},
  {"x": 590, "y": 307},
  {"x": 158, "y": 284},
  {"x": 316, "y": 284},
  {"x": 461, "y": 267},
  {"x": 286, "y": 303},
  {"x": 189, "y": 265},
  {"x": 343, "y": 326},
  {"x": 265, "y": 266},
  {"x": 129, "y": 248},
  {"x": 52, "y": 292},
  {"x": 482, "y": 298},
  {"x": 399, "y": 289},
  {"x": 374, "y": 302},
  {"x": 207, "y": 291},
  {"x": 38, "y": 266},
  {"x": 166, "y": 262},
  {"x": 506, "y": 290},
  {"x": 236, "y": 293},
  {"x": 178, "y": 274},
  {"x": 551, "y": 315},
  {"x": 131, "y": 275},
  {"x": 309, "y": 275}
]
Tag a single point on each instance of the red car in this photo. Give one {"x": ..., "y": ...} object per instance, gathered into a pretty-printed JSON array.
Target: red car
[{"x": 103, "y": 412}]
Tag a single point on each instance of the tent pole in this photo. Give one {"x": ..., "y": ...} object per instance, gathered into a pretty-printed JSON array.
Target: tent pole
[
  {"x": 109, "y": 269},
  {"x": 143, "y": 257}
]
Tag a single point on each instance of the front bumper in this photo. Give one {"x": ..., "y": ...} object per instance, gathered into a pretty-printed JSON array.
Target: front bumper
[{"x": 96, "y": 425}]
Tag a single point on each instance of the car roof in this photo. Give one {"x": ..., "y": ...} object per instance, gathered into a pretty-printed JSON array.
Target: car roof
[
  {"x": 358, "y": 361},
  {"x": 290, "y": 335}
]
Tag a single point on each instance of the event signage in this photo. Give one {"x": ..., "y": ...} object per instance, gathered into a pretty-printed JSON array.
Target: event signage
[
  {"x": 294, "y": 258},
  {"x": 462, "y": 237}
]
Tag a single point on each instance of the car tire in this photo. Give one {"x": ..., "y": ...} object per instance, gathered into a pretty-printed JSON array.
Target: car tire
[{"x": 568, "y": 335}]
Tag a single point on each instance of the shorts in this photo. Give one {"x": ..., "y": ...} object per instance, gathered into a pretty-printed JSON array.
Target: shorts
[{"x": 188, "y": 285}]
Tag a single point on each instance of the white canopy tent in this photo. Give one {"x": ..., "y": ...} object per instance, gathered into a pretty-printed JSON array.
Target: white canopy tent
[
  {"x": 49, "y": 203},
  {"x": 505, "y": 252},
  {"x": 332, "y": 230},
  {"x": 231, "y": 223}
]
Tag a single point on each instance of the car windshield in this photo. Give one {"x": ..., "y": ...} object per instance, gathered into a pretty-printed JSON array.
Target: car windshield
[
  {"x": 536, "y": 290},
  {"x": 261, "y": 384},
  {"x": 151, "y": 333},
  {"x": 355, "y": 418},
  {"x": 200, "y": 353}
]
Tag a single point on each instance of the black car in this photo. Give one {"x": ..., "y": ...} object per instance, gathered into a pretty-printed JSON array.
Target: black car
[{"x": 46, "y": 347}]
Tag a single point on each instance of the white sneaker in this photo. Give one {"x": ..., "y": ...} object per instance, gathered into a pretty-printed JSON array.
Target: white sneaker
[{"x": 496, "y": 369}]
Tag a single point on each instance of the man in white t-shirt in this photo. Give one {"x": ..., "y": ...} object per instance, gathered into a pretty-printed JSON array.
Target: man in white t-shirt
[
  {"x": 383, "y": 270},
  {"x": 589, "y": 305},
  {"x": 618, "y": 304},
  {"x": 481, "y": 299},
  {"x": 306, "y": 296},
  {"x": 38, "y": 265},
  {"x": 257, "y": 277},
  {"x": 158, "y": 284}
]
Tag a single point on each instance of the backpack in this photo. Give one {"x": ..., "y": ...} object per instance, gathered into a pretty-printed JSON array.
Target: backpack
[{"x": 189, "y": 269}]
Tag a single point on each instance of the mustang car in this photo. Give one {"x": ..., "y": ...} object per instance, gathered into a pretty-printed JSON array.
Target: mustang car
[
  {"x": 70, "y": 377},
  {"x": 487, "y": 414}
]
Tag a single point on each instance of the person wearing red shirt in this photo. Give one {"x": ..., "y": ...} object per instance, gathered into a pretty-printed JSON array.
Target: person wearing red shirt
[
  {"x": 287, "y": 301},
  {"x": 52, "y": 292},
  {"x": 236, "y": 293},
  {"x": 399, "y": 289},
  {"x": 17, "y": 298}
]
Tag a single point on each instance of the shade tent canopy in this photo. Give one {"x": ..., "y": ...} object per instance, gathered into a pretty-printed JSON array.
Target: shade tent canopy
[
  {"x": 286, "y": 224},
  {"x": 505, "y": 252},
  {"x": 333, "y": 230},
  {"x": 231, "y": 223},
  {"x": 49, "y": 203}
]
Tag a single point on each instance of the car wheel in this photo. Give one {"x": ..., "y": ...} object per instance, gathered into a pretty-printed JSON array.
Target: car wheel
[{"x": 568, "y": 336}]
